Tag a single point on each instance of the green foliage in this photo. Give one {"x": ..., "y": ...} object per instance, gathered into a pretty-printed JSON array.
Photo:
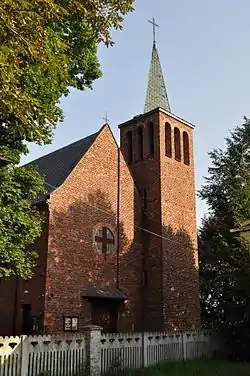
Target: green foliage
[
  {"x": 47, "y": 47},
  {"x": 224, "y": 259},
  {"x": 227, "y": 189},
  {"x": 20, "y": 222}
]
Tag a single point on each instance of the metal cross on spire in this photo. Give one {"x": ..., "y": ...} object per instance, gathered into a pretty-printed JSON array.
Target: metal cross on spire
[
  {"x": 154, "y": 27},
  {"x": 156, "y": 95}
]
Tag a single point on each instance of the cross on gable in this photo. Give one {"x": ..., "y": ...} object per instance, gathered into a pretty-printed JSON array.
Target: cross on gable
[
  {"x": 106, "y": 119},
  {"x": 154, "y": 26},
  {"x": 105, "y": 240}
]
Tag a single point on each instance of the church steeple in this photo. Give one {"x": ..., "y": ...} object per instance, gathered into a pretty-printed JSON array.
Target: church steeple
[{"x": 156, "y": 90}]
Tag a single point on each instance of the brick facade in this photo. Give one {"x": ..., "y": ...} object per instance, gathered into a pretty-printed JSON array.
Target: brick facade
[
  {"x": 171, "y": 289},
  {"x": 88, "y": 198},
  {"x": 15, "y": 292},
  {"x": 158, "y": 276}
]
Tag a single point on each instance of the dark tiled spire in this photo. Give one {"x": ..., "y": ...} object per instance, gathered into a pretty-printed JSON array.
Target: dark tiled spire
[{"x": 156, "y": 90}]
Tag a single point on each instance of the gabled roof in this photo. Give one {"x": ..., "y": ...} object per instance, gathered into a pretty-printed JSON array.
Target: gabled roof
[{"x": 55, "y": 167}]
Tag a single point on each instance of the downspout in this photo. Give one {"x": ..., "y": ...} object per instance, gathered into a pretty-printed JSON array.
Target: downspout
[
  {"x": 144, "y": 280},
  {"x": 118, "y": 220}
]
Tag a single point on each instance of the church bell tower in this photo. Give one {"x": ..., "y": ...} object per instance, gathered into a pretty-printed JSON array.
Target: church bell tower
[{"x": 158, "y": 148}]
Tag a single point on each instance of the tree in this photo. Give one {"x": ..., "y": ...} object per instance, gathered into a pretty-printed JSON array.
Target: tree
[
  {"x": 224, "y": 258},
  {"x": 47, "y": 47},
  {"x": 20, "y": 222}
]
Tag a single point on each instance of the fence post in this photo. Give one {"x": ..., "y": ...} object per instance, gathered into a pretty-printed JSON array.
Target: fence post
[
  {"x": 24, "y": 356},
  {"x": 184, "y": 347},
  {"x": 144, "y": 350},
  {"x": 93, "y": 350}
]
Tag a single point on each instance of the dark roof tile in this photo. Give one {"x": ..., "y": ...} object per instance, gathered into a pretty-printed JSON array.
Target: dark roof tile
[{"x": 55, "y": 167}]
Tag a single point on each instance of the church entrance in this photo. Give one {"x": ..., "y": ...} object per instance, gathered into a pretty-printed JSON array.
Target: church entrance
[
  {"x": 104, "y": 303},
  {"x": 104, "y": 313}
]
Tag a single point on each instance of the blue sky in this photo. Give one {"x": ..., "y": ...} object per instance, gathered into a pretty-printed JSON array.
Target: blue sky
[{"x": 204, "y": 49}]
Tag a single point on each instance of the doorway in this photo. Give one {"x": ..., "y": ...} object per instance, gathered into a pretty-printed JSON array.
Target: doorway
[{"x": 104, "y": 313}]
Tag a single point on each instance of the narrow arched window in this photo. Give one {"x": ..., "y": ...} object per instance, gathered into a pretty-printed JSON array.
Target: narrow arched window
[
  {"x": 139, "y": 143},
  {"x": 129, "y": 147},
  {"x": 168, "y": 140},
  {"x": 186, "y": 155},
  {"x": 151, "y": 139},
  {"x": 177, "y": 144}
]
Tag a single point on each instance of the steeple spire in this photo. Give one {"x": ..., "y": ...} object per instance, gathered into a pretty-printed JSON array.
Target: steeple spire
[{"x": 156, "y": 90}]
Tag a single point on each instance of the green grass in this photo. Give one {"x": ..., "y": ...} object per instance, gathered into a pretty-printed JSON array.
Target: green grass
[{"x": 196, "y": 368}]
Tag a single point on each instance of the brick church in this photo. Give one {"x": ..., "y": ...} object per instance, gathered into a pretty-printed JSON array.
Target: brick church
[{"x": 119, "y": 243}]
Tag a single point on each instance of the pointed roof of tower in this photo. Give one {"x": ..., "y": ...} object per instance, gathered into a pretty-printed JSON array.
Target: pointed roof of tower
[{"x": 156, "y": 90}]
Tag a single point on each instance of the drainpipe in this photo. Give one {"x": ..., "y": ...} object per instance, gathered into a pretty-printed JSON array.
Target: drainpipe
[
  {"x": 144, "y": 279},
  {"x": 118, "y": 220}
]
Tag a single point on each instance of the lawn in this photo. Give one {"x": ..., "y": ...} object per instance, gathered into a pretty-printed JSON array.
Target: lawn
[{"x": 196, "y": 368}]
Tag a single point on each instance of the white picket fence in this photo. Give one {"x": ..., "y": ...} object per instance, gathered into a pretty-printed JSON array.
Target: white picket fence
[
  {"x": 134, "y": 350},
  {"x": 33, "y": 355},
  {"x": 69, "y": 355}
]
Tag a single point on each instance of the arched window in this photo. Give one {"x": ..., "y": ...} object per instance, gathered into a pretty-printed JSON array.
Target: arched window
[
  {"x": 151, "y": 139},
  {"x": 104, "y": 240},
  {"x": 177, "y": 144},
  {"x": 168, "y": 140},
  {"x": 139, "y": 143},
  {"x": 129, "y": 147},
  {"x": 186, "y": 155}
]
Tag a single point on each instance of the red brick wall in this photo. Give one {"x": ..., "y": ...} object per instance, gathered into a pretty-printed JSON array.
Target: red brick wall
[
  {"x": 28, "y": 291},
  {"x": 73, "y": 262},
  {"x": 171, "y": 294},
  {"x": 7, "y": 295},
  {"x": 180, "y": 255},
  {"x": 165, "y": 295},
  {"x": 146, "y": 174}
]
